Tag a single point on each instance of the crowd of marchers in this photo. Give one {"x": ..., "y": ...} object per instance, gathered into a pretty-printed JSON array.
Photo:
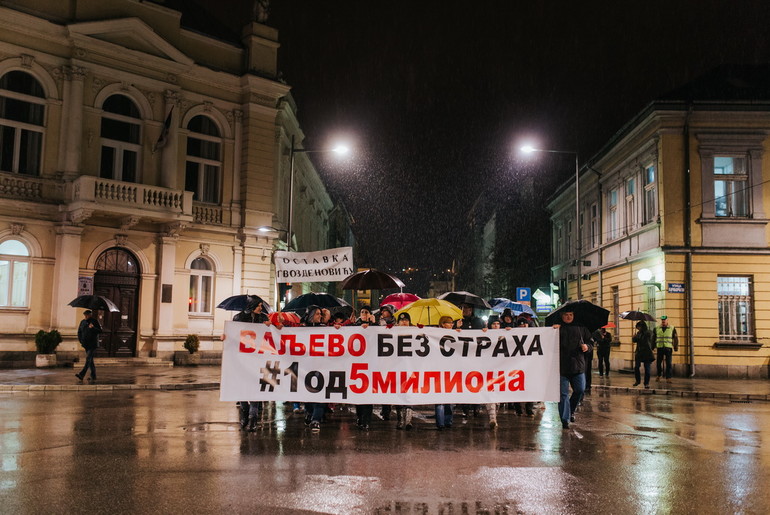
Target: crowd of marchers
[{"x": 576, "y": 348}]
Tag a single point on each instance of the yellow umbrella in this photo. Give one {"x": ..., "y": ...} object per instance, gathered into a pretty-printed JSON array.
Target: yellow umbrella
[{"x": 429, "y": 311}]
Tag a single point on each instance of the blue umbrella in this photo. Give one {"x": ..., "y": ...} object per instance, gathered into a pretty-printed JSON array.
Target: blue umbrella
[{"x": 515, "y": 307}]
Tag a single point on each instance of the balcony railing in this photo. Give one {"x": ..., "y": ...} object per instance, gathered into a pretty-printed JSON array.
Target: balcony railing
[
  {"x": 21, "y": 187},
  {"x": 127, "y": 197},
  {"x": 207, "y": 214}
]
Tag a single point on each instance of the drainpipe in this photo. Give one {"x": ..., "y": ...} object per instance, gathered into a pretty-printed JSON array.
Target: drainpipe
[{"x": 688, "y": 241}]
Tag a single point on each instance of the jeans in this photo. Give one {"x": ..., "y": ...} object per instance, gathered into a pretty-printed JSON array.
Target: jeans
[
  {"x": 568, "y": 404},
  {"x": 314, "y": 411},
  {"x": 604, "y": 360},
  {"x": 664, "y": 354},
  {"x": 444, "y": 415},
  {"x": 89, "y": 363},
  {"x": 638, "y": 374}
]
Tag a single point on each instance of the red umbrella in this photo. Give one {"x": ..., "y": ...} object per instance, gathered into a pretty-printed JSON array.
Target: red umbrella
[
  {"x": 399, "y": 300},
  {"x": 286, "y": 318}
]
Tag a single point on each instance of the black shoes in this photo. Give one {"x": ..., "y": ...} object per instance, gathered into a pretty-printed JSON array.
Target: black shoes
[
  {"x": 80, "y": 377},
  {"x": 636, "y": 384},
  {"x": 565, "y": 425}
]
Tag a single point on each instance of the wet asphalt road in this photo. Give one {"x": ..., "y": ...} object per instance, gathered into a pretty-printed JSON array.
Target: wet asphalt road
[{"x": 182, "y": 451}]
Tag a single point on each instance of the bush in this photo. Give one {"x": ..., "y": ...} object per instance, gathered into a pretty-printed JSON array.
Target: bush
[
  {"x": 191, "y": 343},
  {"x": 46, "y": 342}
]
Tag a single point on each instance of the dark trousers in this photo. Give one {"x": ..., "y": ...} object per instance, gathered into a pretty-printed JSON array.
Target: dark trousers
[
  {"x": 664, "y": 356},
  {"x": 89, "y": 363},
  {"x": 638, "y": 373},
  {"x": 364, "y": 414},
  {"x": 604, "y": 360}
]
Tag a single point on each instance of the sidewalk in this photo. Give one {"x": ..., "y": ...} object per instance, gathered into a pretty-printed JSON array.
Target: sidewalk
[{"x": 208, "y": 377}]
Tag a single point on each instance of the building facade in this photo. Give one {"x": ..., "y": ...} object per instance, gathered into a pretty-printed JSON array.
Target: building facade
[
  {"x": 138, "y": 158},
  {"x": 672, "y": 220}
]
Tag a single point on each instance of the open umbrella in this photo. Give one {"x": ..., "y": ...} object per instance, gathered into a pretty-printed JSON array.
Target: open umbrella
[
  {"x": 97, "y": 302},
  {"x": 463, "y": 297},
  {"x": 610, "y": 325},
  {"x": 288, "y": 318},
  {"x": 515, "y": 307},
  {"x": 636, "y": 315},
  {"x": 239, "y": 303},
  {"x": 429, "y": 311},
  {"x": 322, "y": 300},
  {"x": 371, "y": 280},
  {"x": 399, "y": 300},
  {"x": 587, "y": 314}
]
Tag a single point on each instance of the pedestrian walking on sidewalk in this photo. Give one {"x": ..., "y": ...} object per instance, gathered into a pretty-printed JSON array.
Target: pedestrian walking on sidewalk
[
  {"x": 88, "y": 336},
  {"x": 643, "y": 354},
  {"x": 666, "y": 342}
]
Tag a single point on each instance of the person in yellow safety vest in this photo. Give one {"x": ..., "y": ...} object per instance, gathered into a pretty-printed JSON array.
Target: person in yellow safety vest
[{"x": 666, "y": 341}]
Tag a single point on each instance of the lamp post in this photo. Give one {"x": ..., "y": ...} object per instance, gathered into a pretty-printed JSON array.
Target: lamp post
[
  {"x": 339, "y": 149},
  {"x": 527, "y": 149}
]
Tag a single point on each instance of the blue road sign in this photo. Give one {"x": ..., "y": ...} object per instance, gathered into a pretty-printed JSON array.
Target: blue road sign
[{"x": 523, "y": 294}]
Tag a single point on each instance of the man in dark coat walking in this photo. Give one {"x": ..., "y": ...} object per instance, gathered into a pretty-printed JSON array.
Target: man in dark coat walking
[
  {"x": 574, "y": 344},
  {"x": 88, "y": 336}
]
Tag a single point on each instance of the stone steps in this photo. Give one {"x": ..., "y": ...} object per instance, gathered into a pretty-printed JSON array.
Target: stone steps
[{"x": 132, "y": 362}]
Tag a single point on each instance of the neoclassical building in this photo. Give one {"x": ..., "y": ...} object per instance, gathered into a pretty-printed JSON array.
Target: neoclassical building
[{"x": 138, "y": 158}]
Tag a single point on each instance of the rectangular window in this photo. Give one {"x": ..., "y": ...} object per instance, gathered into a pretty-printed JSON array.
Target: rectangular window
[
  {"x": 735, "y": 308},
  {"x": 630, "y": 205},
  {"x": 650, "y": 195},
  {"x": 594, "y": 225},
  {"x": 731, "y": 187},
  {"x": 568, "y": 240},
  {"x": 612, "y": 214},
  {"x": 616, "y": 306}
]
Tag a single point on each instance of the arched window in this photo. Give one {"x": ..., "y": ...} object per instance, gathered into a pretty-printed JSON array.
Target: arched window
[
  {"x": 121, "y": 139},
  {"x": 201, "y": 286},
  {"x": 204, "y": 165},
  {"x": 14, "y": 274},
  {"x": 22, "y": 115}
]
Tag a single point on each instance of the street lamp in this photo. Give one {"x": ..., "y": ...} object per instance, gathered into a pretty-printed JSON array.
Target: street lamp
[
  {"x": 528, "y": 149},
  {"x": 339, "y": 149}
]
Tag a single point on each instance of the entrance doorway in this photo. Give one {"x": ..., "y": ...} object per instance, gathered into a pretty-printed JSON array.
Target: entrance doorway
[{"x": 117, "y": 278}]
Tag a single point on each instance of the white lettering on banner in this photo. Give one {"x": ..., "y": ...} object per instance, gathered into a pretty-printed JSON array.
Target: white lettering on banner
[
  {"x": 396, "y": 365},
  {"x": 323, "y": 265}
]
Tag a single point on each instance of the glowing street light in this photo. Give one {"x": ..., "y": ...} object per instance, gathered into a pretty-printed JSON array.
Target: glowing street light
[{"x": 529, "y": 149}]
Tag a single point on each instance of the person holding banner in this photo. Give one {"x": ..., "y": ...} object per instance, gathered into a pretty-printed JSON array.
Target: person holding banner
[
  {"x": 470, "y": 321},
  {"x": 314, "y": 411},
  {"x": 250, "y": 411},
  {"x": 494, "y": 323},
  {"x": 444, "y": 411},
  {"x": 404, "y": 413},
  {"x": 574, "y": 344},
  {"x": 364, "y": 411}
]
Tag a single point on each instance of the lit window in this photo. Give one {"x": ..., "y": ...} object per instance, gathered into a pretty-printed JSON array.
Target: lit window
[
  {"x": 735, "y": 308},
  {"x": 731, "y": 187},
  {"x": 612, "y": 218},
  {"x": 22, "y": 114},
  {"x": 201, "y": 286},
  {"x": 650, "y": 195},
  {"x": 121, "y": 139},
  {"x": 14, "y": 274},
  {"x": 204, "y": 160}
]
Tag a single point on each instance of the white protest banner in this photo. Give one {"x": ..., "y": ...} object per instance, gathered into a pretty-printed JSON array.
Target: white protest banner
[
  {"x": 396, "y": 365},
  {"x": 309, "y": 267}
]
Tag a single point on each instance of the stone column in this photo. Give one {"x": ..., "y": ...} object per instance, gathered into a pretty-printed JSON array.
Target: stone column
[
  {"x": 167, "y": 241},
  {"x": 65, "y": 278},
  {"x": 168, "y": 160},
  {"x": 74, "y": 122},
  {"x": 235, "y": 204}
]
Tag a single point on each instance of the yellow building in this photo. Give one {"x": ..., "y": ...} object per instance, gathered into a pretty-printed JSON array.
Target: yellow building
[
  {"x": 138, "y": 158},
  {"x": 672, "y": 220}
]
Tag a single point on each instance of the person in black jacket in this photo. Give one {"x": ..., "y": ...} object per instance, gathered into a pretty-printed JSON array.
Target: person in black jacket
[
  {"x": 250, "y": 411},
  {"x": 469, "y": 319},
  {"x": 643, "y": 354},
  {"x": 574, "y": 344},
  {"x": 88, "y": 336},
  {"x": 603, "y": 339}
]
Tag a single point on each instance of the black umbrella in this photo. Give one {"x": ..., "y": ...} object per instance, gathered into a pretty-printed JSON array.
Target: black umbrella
[
  {"x": 94, "y": 302},
  {"x": 636, "y": 315},
  {"x": 239, "y": 303},
  {"x": 322, "y": 300},
  {"x": 589, "y": 315},
  {"x": 463, "y": 297},
  {"x": 371, "y": 280}
]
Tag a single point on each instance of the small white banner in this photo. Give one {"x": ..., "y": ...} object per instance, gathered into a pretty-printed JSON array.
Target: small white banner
[
  {"x": 312, "y": 267},
  {"x": 396, "y": 365}
]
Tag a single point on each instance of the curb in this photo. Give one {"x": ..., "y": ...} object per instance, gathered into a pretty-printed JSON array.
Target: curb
[
  {"x": 104, "y": 387},
  {"x": 737, "y": 397}
]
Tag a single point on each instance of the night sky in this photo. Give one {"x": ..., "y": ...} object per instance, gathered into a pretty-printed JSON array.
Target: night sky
[{"x": 435, "y": 98}]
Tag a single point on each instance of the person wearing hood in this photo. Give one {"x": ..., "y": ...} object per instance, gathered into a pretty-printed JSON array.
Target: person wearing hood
[
  {"x": 314, "y": 411},
  {"x": 386, "y": 315},
  {"x": 469, "y": 319},
  {"x": 574, "y": 343},
  {"x": 507, "y": 320},
  {"x": 250, "y": 411}
]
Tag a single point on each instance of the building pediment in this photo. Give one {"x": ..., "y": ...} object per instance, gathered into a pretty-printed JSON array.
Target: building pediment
[{"x": 130, "y": 33}]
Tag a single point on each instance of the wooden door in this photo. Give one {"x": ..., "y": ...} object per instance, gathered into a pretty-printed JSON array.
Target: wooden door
[{"x": 117, "y": 278}]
